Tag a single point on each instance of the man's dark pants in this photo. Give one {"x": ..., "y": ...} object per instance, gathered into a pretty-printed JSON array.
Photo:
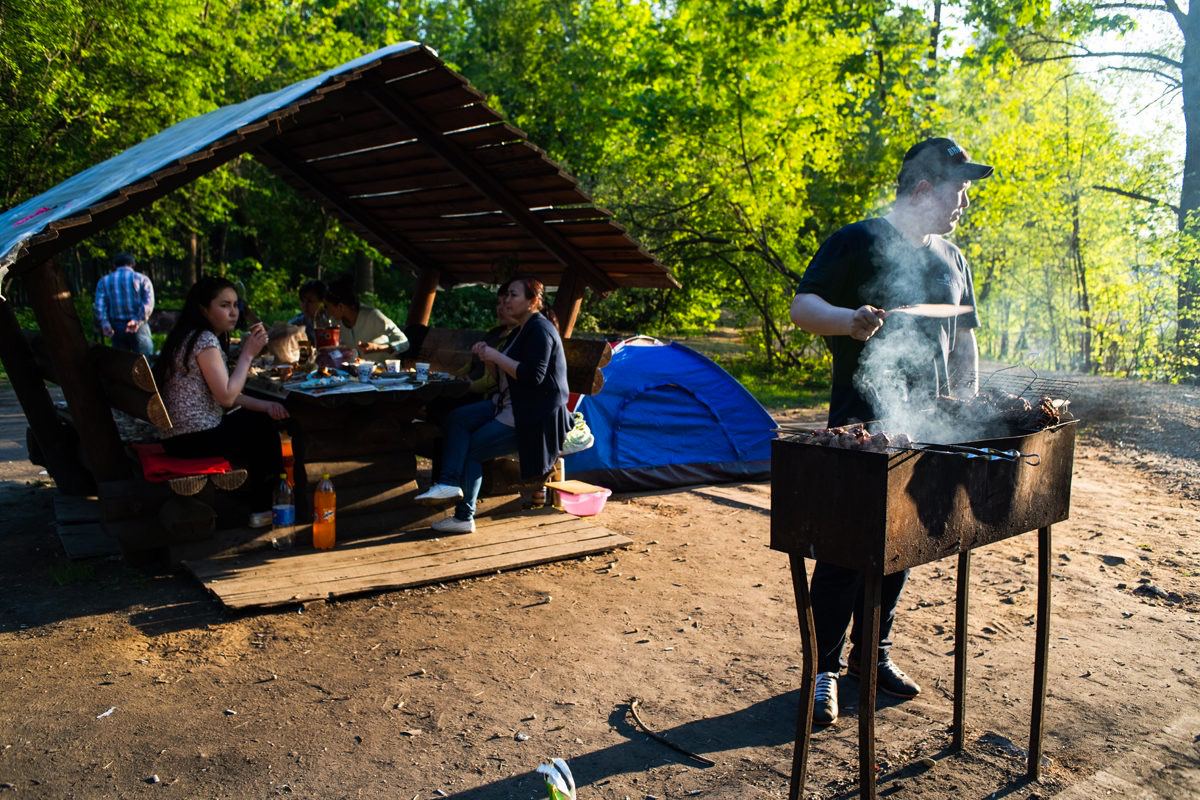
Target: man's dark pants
[
  {"x": 139, "y": 342},
  {"x": 837, "y": 595}
]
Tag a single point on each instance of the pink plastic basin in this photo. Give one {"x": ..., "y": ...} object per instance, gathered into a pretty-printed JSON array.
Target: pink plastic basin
[{"x": 584, "y": 505}]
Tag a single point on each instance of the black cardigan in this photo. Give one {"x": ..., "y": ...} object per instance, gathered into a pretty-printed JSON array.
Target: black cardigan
[{"x": 539, "y": 395}]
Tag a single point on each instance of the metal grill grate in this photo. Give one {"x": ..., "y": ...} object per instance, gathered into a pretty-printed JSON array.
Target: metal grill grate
[{"x": 1024, "y": 382}]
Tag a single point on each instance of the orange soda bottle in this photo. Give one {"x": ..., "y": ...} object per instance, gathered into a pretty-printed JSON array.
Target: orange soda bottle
[
  {"x": 324, "y": 514},
  {"x": 289, "y": 459}
]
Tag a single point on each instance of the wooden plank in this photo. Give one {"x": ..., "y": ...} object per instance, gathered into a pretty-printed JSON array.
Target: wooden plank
[
  {"x": 575, "y": 487},
  {"x": 400, "y": 177},
  {"x": 369, "y": 554},
  {"x": 76, "y": 509},
  {"x": 349, "y": 142},
  {"x": 86, "y": 540},
  {"x": 419, "y": 59},
  {"x": 598, "y": 233},
  {"x": 271, "y": 580}
]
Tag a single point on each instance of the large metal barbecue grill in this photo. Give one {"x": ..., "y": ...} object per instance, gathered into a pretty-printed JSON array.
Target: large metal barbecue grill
[{"x": 884, "y": 512}]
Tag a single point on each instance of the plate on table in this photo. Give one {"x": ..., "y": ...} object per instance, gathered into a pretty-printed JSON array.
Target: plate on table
[{"x": 315, "y": 380}]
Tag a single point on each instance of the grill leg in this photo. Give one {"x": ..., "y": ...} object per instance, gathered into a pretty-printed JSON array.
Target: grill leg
[
  {"x": 808, "y": 639},
  {"x": 868, "y": 664},
  {"x": 961, "y": 607},
  {"x": 1040, "y": 654}
]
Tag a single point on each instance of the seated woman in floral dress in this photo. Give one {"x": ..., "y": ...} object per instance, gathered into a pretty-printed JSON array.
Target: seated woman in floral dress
[{"x": 209, "y": 414}]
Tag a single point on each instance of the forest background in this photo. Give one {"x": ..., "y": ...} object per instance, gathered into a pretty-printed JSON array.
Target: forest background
[{"x": 730, "y": 138}]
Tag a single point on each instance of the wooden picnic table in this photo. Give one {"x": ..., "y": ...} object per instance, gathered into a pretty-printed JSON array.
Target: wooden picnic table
[{"x": 367, "y": 440}]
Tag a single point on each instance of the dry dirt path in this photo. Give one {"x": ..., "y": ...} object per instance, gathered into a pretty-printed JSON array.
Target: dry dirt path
[{"x": 460, "y": 690}]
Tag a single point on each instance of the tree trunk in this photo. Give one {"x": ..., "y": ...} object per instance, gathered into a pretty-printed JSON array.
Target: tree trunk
[
  {"x": 192, "y": 267},
  {"x": 364, "y": 274},
  {"x": 1188, "y": 330},
  {"x": 1081, "y": 287}
]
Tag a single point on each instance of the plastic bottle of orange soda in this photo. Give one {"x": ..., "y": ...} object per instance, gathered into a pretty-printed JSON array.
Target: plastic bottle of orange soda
[{"x": 324, "y": 514}]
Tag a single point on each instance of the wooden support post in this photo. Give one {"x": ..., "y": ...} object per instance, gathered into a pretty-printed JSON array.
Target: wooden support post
[
  {"x": 568, "y": 302},
  {"x": 65, "y": 343},
  {"x": 423, "y": 296},
  {"x": 58, "y": 448}
]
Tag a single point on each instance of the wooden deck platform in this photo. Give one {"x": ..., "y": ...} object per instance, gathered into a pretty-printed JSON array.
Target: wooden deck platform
[{"x": 401, "y": 560}]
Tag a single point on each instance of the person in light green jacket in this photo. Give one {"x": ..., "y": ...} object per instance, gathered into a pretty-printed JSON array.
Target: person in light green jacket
[{"x": 366, "y": 328}]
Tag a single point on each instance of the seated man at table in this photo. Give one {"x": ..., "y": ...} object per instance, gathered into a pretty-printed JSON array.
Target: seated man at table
[
  {"x": 376, "y": 337},
  {"x": 312, "y": 295}
]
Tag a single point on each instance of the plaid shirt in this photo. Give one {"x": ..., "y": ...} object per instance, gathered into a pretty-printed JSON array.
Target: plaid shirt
[{"x": 122, "y": 295}]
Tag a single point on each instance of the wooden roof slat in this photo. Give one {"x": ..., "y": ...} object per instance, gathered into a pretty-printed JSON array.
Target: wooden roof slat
[
  {"x": 453, "y": 153},
  {"x": 346, "y": 207},
  {"x": 411, "y": 151},
  {"x": 349, "y": 143},
  {"x": 578, "y": 232},
  {"x": 540, "y": 190},
  {"x": 417, "y": 60},
  {"x": 427, "y": 83},
  {"x": 397, "y": 178}
]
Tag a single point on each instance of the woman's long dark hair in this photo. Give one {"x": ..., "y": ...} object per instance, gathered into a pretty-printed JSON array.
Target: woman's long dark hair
[
  {"x": 191, "y": 324},
  {"x": 533, "y": 290}
]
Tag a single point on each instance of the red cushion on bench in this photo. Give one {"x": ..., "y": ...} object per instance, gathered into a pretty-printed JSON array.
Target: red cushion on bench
[{"x": 158, "y": 467}]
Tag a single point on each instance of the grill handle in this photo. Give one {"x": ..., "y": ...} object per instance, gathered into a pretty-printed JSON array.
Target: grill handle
[{"x": 989, "y": 453}]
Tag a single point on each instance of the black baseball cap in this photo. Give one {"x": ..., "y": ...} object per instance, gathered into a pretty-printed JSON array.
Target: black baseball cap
[{"x": 939, "y": 159}]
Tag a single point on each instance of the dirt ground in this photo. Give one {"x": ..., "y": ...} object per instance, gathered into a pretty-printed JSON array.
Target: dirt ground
[{"x": 114, "y": 683}]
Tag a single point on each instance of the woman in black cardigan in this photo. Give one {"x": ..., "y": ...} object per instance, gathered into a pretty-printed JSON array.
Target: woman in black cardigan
[{"x": 527, "y": 415}]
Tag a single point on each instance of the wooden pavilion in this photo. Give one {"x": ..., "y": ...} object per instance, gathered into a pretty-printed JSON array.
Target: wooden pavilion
[{"x": 403, "y": 150}]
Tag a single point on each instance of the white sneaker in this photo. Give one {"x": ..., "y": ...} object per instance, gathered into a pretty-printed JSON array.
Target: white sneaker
[
  {"x": 453, "y": 524},
  {"x": 439, "y": 493},
  {"x": 825, "y": 699}
]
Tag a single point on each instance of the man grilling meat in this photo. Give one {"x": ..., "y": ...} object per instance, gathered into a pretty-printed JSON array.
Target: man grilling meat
[{"x": 887, "y": 364}]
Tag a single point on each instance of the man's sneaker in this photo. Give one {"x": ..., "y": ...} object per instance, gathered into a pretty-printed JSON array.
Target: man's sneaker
[
  {"x": 439, "y": 493},
  {"x": 453, "y": 524},
  {"x": 825, "y": 704},
  {"x": 889, "y": 678}
]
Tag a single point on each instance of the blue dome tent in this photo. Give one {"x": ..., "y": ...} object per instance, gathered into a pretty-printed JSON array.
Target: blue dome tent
[{"x": 668, "y": 417}]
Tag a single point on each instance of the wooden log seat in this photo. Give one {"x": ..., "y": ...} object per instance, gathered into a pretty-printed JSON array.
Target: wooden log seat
[
  {"x": 448, "y": 349},
  {"x": 129, "y": 386}
]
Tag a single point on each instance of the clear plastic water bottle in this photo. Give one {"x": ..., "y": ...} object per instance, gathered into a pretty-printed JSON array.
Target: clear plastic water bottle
[
  {"x": 283, "y": 514},
  {"x": 324, "y": 514},
  {"x": 283, "y": 507}
]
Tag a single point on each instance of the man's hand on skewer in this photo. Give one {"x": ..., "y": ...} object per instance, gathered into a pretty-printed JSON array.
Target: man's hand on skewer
[{"x": 866, "y": 322}]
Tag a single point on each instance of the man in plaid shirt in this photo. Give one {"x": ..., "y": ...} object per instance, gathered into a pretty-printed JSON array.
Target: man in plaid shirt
[{"x": 124, "y": 300}]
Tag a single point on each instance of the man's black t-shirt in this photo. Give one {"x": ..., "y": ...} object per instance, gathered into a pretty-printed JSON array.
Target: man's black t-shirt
[{"x": 871, "y": 263}]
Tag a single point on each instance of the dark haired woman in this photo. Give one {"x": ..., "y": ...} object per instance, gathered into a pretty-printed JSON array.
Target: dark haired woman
[
  {"x": 197, "y": 387},
  {"x": 527, "y": 415},
  {"x": 364, "y": 327}
]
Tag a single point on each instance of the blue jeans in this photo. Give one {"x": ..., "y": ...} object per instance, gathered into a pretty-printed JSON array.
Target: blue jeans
[
  {"x": 139, "y": 342},
  {"x": 472, "y": 437}
]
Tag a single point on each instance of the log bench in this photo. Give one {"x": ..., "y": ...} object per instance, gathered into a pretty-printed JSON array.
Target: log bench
[
  {"x": 181, "y": 505},
  {"x": 449, "y": 349}
]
